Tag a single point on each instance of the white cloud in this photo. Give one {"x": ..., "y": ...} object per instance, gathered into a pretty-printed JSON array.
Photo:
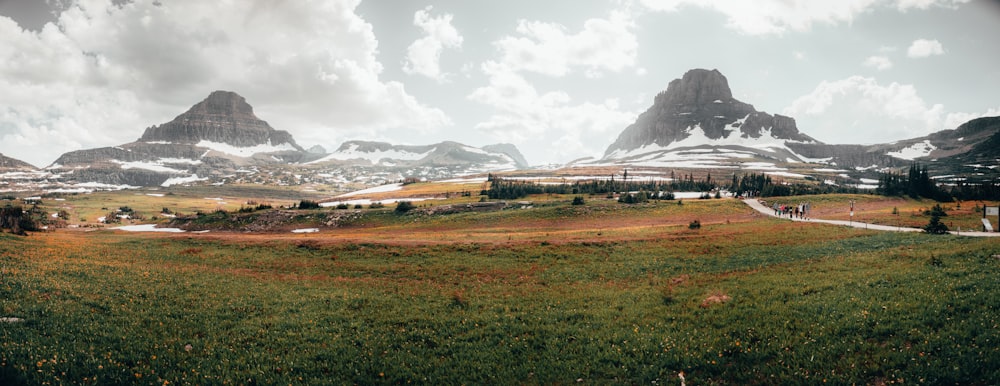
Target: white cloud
[
  {"x": 878, "y": 62},
  {"x": 880, "y": 113},
  {"x": 766, "y": 17},
  {"x": 546, "y": 123},
  {"x": 423, "y": 56},
  {"x": 904, "y": 5},
  {"x": 922, "y": 48},
  {"x": 106, "y": 71},
  {"x": 546, "y": 48},
  {"x": 551, "y": 123}
]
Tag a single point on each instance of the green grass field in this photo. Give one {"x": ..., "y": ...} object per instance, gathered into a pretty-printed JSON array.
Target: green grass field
[{"x": 604, "y": 293}]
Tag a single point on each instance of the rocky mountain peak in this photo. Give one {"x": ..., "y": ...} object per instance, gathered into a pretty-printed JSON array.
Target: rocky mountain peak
[
  {"x": 223, "y": 117},
  {"x": 222, "y": 103},
  {"x": 698, "y": 87},
  {"x": 697, "y": 110}
]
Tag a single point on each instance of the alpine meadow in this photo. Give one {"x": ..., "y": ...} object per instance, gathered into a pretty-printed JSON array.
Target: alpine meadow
[{"x": 604, "y": 192}]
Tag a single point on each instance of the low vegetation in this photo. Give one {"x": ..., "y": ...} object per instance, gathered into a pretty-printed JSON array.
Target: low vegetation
[{"x": 597, "y": 293}]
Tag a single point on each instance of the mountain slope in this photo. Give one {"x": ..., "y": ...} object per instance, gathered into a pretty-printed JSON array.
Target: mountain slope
[
  {"x": 510, "y": 150},
  {"x": 973, "y": 142},
  {"x": 7, "y": 163}
]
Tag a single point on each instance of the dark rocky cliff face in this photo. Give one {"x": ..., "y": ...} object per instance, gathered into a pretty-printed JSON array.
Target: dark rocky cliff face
[
  {"x": 701, "y": 98},
  {"x": 223, "y": 117}
]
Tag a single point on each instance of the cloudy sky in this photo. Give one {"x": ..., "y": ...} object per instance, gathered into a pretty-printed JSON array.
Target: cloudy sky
[{"x": 560, "y": 78}]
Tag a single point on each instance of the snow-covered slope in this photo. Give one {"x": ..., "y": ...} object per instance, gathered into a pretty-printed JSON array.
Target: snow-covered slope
[{"x": 444, "y": 154}]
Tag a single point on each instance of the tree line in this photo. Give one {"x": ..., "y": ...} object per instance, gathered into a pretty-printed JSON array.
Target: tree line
[
  {"x": 917, "y": 183},
  {"x": 756, "y": 184}
]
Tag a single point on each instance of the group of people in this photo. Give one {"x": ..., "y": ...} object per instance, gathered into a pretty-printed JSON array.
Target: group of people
[{"x": 792, "y": 211}]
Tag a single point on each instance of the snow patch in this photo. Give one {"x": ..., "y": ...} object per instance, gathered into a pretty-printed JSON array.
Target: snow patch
[
  {"x": 914, "y": 151},
  {"x": 306, "y": 230},
  {"x": 182, "y": 180},
  {"x": 147, "y": 228},
  {"x": 245, "y": 151},
  {"x": 377, "y": 189},
  {"x": 786, "y": 174},
  {"x": 352, "y": 153},
  {"x": 152, "y": 166}
]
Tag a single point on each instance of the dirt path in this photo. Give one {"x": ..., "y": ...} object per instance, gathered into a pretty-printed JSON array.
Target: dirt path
[{"x": 753, "y": 203}]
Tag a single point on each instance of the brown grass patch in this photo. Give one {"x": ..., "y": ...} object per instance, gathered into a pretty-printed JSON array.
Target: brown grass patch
[{"x": 717, "y": 297}]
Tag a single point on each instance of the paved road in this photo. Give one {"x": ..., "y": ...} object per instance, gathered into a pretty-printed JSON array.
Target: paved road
[{"x": 753, "y": 203}]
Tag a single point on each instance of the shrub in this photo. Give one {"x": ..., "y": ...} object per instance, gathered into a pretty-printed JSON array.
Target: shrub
[
  {"x": 694, "y": 225},
  {"x": 308, "y": 204},
  {"x": 14, "y": 218},
  {"x": 376, "y": 205},
  {"x": 358, "y": 206},
  {"x": 404, "y": 206},
  {"x": 578, "y": 200},
  {"x": 633, "y": 198},
  {"x": 937, "y": 210},
  {"x": 668, "y": 196},
  {"x": 935, "y": 226},
  {"x": 343, "y": 206}
]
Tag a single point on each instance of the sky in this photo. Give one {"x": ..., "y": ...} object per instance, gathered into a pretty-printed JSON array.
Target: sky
[{"x": 560, "y": 79}]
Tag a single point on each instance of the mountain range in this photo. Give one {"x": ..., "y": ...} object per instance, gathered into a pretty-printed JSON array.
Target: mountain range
[
  {"x": 221, "y": 139},
  {"x": 694, "y": 123}
]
